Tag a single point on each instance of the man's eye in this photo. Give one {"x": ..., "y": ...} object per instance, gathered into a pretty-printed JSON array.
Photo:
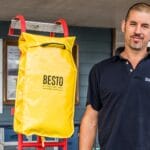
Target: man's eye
[
  {"x": 146, "y": 26},
  {"x": 132, "y": 24}
]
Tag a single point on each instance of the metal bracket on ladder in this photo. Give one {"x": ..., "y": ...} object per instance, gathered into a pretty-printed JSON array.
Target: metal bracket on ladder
[{"x": 38, "y": 26}]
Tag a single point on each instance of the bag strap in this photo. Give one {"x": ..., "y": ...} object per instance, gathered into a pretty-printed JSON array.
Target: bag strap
[
  {"x": 64, "y": 25},
  {"x": 22, "y": 24}
]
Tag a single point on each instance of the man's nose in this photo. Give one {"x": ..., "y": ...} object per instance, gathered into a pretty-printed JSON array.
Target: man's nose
[{"x": 138, "y": 30}]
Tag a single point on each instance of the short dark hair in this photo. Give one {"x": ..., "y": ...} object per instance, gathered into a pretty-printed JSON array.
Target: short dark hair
[{"x": 139, "y": 7}]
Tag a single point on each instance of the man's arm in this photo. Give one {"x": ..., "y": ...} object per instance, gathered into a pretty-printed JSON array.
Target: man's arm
[{"x": 88, "y": 128}]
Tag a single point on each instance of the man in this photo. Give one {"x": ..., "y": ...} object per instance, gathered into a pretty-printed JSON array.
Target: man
[{"x": 118, "y": 99}]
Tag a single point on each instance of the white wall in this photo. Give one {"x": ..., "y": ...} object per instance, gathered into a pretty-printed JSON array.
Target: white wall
[
  {"x": 1, "y": 47},
  {"x": 149, "y": 44}
]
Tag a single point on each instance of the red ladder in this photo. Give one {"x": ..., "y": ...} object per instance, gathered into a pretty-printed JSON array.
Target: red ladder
[{"x": 38, "y": 144}]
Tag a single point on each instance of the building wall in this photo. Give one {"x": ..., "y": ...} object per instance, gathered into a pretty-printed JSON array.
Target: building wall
[
  {"x": 94, "y": 46},
  {"x": 1, "y": 76}
]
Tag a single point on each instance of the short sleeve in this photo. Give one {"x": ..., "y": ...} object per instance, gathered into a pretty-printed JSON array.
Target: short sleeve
[{"x": 93, "y": 93}]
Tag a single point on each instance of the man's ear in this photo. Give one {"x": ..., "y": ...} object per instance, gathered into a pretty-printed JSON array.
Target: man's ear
[{"x": 123, "y": 26}]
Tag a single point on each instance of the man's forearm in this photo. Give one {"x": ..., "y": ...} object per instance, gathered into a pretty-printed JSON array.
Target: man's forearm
[
  {"x": 87, "y": 137},
  {"x": 88, "y": 130}
]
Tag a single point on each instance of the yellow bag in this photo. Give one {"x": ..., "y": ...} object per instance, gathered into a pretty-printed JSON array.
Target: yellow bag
[{"x": 45, "y": 94}]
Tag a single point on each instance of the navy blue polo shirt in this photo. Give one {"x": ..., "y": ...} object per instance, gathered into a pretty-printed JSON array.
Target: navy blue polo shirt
[{"x": 121, "y": 94}]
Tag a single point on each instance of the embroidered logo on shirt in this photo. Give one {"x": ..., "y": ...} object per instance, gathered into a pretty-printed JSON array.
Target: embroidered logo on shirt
[{"x": 147, "y": 79}]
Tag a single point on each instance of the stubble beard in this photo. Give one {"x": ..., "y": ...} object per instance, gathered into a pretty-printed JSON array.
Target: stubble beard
[{"x": 137, "y": 46}]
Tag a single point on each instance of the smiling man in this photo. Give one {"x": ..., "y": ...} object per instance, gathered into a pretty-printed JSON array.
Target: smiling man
[
  {"x": 136, "y": 28},
  {"x": 118, "y": 99}
]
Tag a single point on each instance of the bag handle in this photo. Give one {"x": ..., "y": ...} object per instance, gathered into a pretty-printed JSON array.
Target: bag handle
[
  {"x": 22, "y": 24},
  {"x": 53, "y": 45},
  {"x": 64, "y": 26}
]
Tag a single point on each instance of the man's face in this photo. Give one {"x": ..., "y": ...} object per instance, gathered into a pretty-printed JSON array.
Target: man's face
[{"x": 137, "y": 30}]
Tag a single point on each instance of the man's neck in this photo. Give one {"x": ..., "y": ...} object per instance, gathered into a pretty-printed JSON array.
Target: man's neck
[{"x": 134, "y": 56}]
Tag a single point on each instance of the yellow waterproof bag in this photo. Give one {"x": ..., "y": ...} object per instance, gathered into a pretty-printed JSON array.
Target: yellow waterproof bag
[{"x": 46, "y": 85}]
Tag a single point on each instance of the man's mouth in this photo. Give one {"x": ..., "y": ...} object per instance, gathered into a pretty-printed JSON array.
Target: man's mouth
[{"x": 136, "y": 38}]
